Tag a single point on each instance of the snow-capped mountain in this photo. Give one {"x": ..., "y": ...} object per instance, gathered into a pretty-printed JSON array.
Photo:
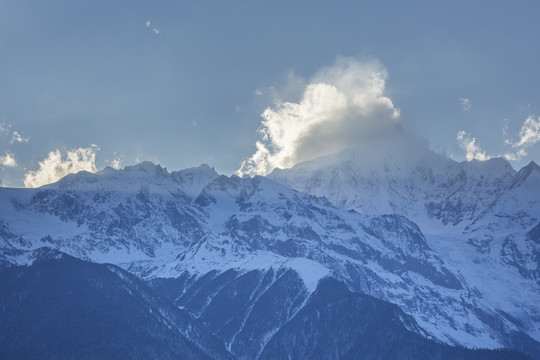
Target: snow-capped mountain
[
  {"x": 480, "y": 217},
  {"x": 229, "y": 249}
]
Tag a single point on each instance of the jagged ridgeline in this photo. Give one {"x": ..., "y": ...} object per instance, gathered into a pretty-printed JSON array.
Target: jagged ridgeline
[{"x": 336, "y": 258}]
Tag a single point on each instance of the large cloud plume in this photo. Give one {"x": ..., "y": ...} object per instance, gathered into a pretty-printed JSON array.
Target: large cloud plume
[
  {"x": 54, "y": 167},
  {"x": 341, "y": 106}
]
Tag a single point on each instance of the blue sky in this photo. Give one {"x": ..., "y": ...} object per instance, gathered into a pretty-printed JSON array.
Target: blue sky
[{"x": 182, "y": 83}]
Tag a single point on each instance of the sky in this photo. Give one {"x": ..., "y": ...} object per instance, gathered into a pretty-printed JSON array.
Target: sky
[{"x": 246, "y": 86}]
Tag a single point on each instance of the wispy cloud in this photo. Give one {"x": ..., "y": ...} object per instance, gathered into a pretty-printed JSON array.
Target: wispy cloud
[
  {"x": 17, "y": 137},
  {"x": 116, "y": 163},
  {"x": 14, "y": 135},
  {"x": 340, "y": 106},
  {"x": 465, "y": 103},
  {"x": 8, "y": 160},
  {"x": 471, "y": 147},
  {"x": 529, "y": 135},
  {"x": 516, "y": 155},
  {"x": 54, "y": 166},
  {"x": 154, "y": 29},
  {"x": 504, "y": 129}
]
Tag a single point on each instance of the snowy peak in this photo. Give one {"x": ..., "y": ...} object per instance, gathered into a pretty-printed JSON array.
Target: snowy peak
[
  {"x": 146, "y": 167},
  {"x": 127, "y": 179},
  {"x": 492, "y": 168},
  {"x": 146, "y": 177},
  {"x": 220, "y": 187},
  {"x": 193, "y": 180},
  {"x": 201, "y": 171},
  {"x": 525, "y": 172}
]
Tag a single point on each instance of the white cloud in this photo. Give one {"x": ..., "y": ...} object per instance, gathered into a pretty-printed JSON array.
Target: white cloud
[
  {"x": 516, "y": 156},
  {"x": 154, "y": 29},
  {"x": 8, "y": 160},
  {"x": 529, "y": 133},
  {"x": 54, "y": 167},
  {"x": 258, "y": 92},
  {"x": 505, "y": 128},
  {"x": 115, "y": 163},
  {"x": 16, "y": 137},
  {"x": 528, "y": 136},
  {"x": 472, "y": 149},
  {"x": 465, "y": 103},
  {"x": 341, "y": 106}
]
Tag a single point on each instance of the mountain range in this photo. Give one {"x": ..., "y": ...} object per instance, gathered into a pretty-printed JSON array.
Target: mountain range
[{"x": 394, "y": 256}]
